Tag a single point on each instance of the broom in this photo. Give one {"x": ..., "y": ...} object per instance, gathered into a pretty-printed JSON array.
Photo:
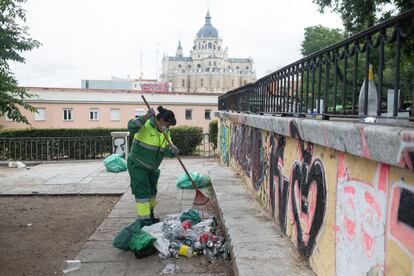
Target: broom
[{"x": 201, "y": 201}]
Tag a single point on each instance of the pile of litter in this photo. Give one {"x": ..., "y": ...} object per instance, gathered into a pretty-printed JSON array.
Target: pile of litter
[{"x": 182, "y": 235}]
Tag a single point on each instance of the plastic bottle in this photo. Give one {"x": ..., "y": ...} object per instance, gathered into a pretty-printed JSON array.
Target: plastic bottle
[
  {"x": 372, "y": 95},
  {"x": 186, "y": 250},
  {"x": 182, "y": 249}
]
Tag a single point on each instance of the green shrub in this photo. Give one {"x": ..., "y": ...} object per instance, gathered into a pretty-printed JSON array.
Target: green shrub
[
  {"x": 186, "y": 138},
  {"x": 213, "y": 129}
]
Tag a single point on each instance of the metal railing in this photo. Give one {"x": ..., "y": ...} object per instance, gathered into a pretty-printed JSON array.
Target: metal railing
[
  {"x": 328, "y": 82},
  {"x": 73, "y": 148},
  {"x": 55, "y": 148}
]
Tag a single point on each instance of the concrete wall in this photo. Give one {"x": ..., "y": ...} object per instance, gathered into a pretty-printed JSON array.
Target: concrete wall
[{"x": 342, "y": 192}]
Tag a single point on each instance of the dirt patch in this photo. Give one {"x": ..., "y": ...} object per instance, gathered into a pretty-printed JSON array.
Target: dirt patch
[{"x": 38, "y": 233}]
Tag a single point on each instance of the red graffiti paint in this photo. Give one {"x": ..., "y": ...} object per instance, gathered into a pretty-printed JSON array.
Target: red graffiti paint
[
  {"x": 364, "y": 144},
  {"x": 349, "y": 189},
  {"x": 368, "y": 242},
  {"x": 400, "y": 231},
  {"x": 369, "y": 198},
  {"x": 349, "y": 220}
]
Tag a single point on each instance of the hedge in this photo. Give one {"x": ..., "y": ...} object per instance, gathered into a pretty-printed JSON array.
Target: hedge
[
  {"x": 186, "y": 138},
  {"x": 57, "y": 144}
]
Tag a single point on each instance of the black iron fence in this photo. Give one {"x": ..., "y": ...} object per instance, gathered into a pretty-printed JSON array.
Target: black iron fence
[
  {"x": 73, "y": 148},
  {"x": 330, "y": 82},
  {"x": 55, "y": 148}
]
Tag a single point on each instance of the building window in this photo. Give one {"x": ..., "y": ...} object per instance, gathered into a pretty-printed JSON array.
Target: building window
[
  {"x": 183, "y": 83},
  {"x": 244, "y": 82},
  {"x": 40, "y": 114},
  {"x": 139, "y": 112},
  {"x": 207, "y": 114},
  {"x": 94, "y": 114},
  {"x": 247, "y": 67},
  {"x": 8, "y": 119},
  {"x": 215, "y": 63},
  {"x": 115, "y": 114},
  {"x": 179, "y": 66},
  {"x": 237, "y": 67},
  {"x": 198, "y": 65},
  {"x": 201, "y": 82},
  {"x": 67, "y": 114},
  {"x": 188, "y": 114}
]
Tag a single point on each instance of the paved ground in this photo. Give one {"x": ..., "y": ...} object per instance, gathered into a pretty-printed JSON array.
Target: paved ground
[{"x": 258, "y": 246}]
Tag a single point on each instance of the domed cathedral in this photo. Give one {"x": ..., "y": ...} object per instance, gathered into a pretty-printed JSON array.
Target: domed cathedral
[{"x": 208, "y": 68}]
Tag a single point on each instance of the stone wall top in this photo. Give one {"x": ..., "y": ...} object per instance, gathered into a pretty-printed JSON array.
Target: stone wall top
[{"x": 392, "y": 145}]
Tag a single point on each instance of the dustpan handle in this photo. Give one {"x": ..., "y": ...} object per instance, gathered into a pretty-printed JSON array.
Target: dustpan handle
[{"x": 169, "y": 143}]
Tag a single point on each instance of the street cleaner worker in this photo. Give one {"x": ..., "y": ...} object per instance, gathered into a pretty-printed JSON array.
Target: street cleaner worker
[{"x": 148, "y": 150}]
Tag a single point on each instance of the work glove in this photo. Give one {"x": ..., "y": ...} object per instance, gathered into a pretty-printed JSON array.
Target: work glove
[
  {"x": 150, "y": 113},
  {"x": 174, "y": 149}
]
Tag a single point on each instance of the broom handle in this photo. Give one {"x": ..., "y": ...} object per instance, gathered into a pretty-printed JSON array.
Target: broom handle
[{"x": 169, "y": 143}]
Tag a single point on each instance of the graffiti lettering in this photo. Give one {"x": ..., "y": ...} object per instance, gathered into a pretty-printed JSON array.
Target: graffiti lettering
[
  {"x": 308, "y": 192},
  {"x": 360, "y": 217},
  {"x": 279, "y": 184}
]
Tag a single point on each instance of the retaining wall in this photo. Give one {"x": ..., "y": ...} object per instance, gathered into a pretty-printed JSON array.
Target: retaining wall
[{"x": 342, "y": 191}]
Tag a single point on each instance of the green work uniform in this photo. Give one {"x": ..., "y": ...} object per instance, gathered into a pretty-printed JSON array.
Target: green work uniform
[{"x": 149, "y": 147}]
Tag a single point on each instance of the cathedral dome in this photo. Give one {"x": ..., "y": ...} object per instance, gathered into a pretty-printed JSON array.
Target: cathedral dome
[{"x": 208, "y": 30}]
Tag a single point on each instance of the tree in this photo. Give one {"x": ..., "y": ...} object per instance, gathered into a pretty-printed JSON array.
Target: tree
[
  {"x": 358, "y": 15},
  {"x": 319, "y": 37},
  {"x": 14, "y": 39}
]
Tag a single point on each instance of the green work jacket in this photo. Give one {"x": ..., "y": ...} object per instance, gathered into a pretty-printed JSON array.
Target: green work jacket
[{"x": 149, "y": 145}]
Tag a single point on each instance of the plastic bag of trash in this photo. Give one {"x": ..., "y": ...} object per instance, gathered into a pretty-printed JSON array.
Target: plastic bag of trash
[
  {"x": 115, "y": 163},
  {"x": 16, "y": 164},
  {"x": 184, "y": 182},
  {"x": 191, "y": 214},
  {"x": 161, "y": 244},
  {"x": 141, "y": 240},
  {"x": 122, "y": 239}
]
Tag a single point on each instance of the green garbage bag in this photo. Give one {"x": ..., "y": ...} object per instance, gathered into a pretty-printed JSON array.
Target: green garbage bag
[
  {"x": 115, "y": 163},
  {"x": 124, "y": 236},
  {"x": 201, "y": 181},
  {"x": 141, "y": 240},
  {"x": 191, "y": 214}
]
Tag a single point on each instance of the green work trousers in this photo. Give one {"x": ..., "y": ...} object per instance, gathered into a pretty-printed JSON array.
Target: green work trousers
[{"x": 144, "y": 187}]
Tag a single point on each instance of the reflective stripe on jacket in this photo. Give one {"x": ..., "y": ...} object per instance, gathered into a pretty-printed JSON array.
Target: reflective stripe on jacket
[{"x": 149, "y": 145}]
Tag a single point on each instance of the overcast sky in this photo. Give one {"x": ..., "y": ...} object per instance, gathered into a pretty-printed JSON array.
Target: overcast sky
[{"x": 97, "y": 39}]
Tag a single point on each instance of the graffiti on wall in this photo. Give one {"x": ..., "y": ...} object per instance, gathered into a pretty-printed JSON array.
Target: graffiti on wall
[
  {"x": 406, "y": 152},
  {"x": 241, "y": 147},
  {"x": 360, "y": 221},
  {"x": 258, "y": 159},
  {"x": 278, "y": 183},
  {"x": 401, "y": 223},
  {"x": 224, "y": 142},
  {"x": 308, "y": 193}
]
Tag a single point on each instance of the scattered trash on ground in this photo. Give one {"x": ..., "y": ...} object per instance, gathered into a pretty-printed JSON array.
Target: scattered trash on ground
[
  {"x": 177, "y": 235},
  {"x": 170, "y": 268},
  {"x": 16, "y": 164},
  {"x": 200, "y": 180},
  {"x": 115, "y": 163},
  {"x": 71, "y": 265}
]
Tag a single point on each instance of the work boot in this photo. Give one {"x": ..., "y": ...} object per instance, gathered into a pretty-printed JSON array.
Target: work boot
[
  {"x": 153, "y": 218},
  {"x": 145, "y": 252}
]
